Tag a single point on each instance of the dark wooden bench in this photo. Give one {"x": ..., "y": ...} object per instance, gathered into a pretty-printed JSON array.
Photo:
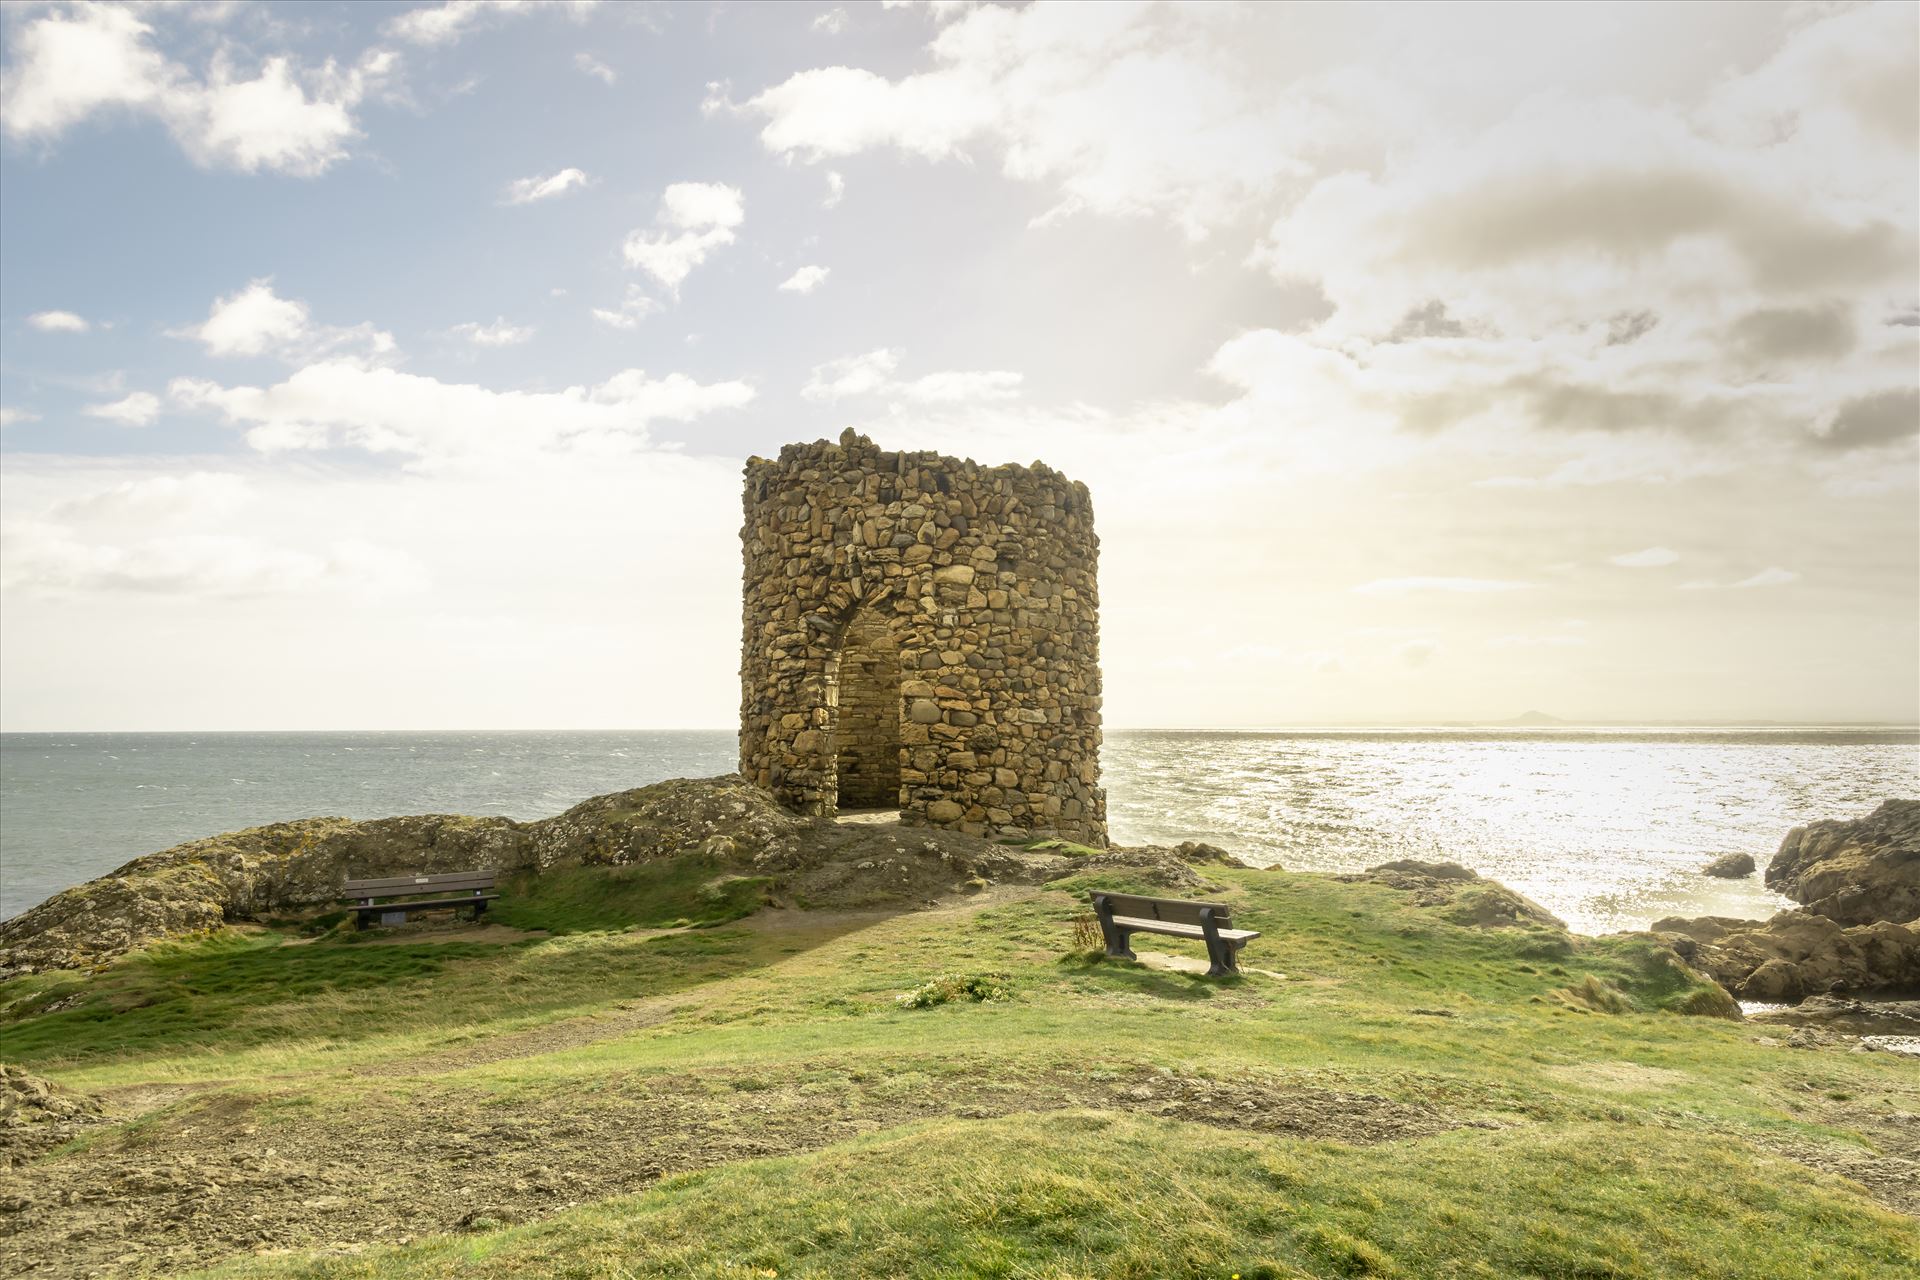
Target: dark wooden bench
[
  {"x": 455, "y": 889},
  {"x": 1123, "y": 915}
]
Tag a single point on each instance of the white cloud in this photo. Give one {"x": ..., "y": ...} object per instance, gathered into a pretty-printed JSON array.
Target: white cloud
[
  {"x": 252, "y": 576},
  {"x": 47, "y": 560},
  {"x": 592, "y": 66},
  {"x": 58, "y": 322},
  {"x": 956, "y": 386},
  {"x": 702, "y": 206},
  {"x": 528, "y": 190},
  {"x": 634, "y": 308},
  {"x": 1768, "y": 577},
  {"x": 256, "y": 321},
  {"x": 1417, "y": 653},
  {"x": 1468, "y": 586},
  {"x": 1130, "y": 109},
  {"x": 136, "y": 410},
  {"x": 872, "y": 374},
  {"x": 447, "y": 23},
  {"x": 833, "y": 21},
  {"x": 836, "y": 189},
  {"x": 69, "y": 66},
  {"x": 1703, "y": 281},
  {"x": 10, "y": 415},
  {"x": 852, "y": 376},
  {"x": 336, "y": 404},
  {"x": 697, "y": 218},
  {"x": 497, "y": 334},
  {"x": 1651, "y": 558},
  {"x": 805, "y": 280},
  {"x": 157, "y": 498}
]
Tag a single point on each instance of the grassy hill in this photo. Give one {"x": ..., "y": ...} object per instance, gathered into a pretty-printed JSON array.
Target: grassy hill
[{"x": 669, "y": 1081}]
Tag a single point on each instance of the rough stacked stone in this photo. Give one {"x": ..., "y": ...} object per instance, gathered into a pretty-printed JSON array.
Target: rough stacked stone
[{"x": 977, "y": 584}]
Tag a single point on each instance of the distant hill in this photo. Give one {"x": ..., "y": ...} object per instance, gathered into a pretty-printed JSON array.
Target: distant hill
[{"x": 1531, "y": 718}]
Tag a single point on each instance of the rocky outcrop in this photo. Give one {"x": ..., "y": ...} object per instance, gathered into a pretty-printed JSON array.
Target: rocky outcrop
[
  {"x": 293, "y": 868},
  {"x": 1849, "y": 1017},
  {"x": 36, "y": 1115},
  {"x": 1467, "y": 898},
  {"x": 1730, "y": 866},
  {"x": 1854, "y": 872},
  {"x": 1859, "y": 930},
  {"x": 286, "y": 867},
  {"x": 1796, "y": 954}
]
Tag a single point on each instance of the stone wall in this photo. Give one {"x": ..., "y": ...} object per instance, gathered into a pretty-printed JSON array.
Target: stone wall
[{"x": 931, "y": 608}]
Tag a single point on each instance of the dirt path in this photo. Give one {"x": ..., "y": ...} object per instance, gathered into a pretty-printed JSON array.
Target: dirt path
[
  {"x": 638, "y": 1015},
  {"x": 228, "y": 1174}
]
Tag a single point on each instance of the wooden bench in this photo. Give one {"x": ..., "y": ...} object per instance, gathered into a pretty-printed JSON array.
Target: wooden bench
[
  {"x": 455, "y": 889},
  {"x": 1122, "y": 915}
]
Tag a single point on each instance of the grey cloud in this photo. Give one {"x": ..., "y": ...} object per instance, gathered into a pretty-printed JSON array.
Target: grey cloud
[
  {"x": 1629, "y": 326},
  {"x": 1884, "y": 417},
  {"x": 1430, "y": 320},
  {"x": 1795, "y": 333},
  {"x": 1572, "y": 406},
  {"x": 1557, "y": 404},
  {"x": 1638, "y": 214}
]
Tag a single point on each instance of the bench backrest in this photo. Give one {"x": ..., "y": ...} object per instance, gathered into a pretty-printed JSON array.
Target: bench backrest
[
  {"x": 408, "y": 886},
  {"x": 1170, "y": 910}
]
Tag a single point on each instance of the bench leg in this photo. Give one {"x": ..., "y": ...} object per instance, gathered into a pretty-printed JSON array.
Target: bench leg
[
  {"x": 1225, "y": 958},
  {"x": 1115, "y": 936}
]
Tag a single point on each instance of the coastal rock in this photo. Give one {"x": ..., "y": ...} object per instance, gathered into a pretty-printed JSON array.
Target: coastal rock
[
  {"x": 1206, "y": 854},
  {"x": 1854, "y": 872},
  {"x": 293, "y": 868},
  {"x": 244, "y": 875},
  {"x": 1468, "y": 899},
  {"x": 36, "y": 1115},
  {"x": 1850, "y": 1017},
  {"x": 1730, "y": 866},
  {"x": 1795, "y": 954}
]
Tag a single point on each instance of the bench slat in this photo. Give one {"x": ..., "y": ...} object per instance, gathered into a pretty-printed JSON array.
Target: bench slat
[
  {"x": 437, "y": 902},
  {"x": 418, "y": 884},
  {"x": 1140, "y": 925},
  {"x": 1168, "y": 910}
]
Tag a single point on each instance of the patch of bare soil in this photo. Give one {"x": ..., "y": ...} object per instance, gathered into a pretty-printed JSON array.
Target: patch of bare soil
[
  {"x": 552, "y": 1037},
  {"x": 1888, "y": 1167},
  {"x": 229, "y": 1174}
]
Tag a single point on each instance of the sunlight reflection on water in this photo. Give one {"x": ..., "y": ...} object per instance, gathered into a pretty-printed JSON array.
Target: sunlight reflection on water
[{"x": 1608, "y": 830}]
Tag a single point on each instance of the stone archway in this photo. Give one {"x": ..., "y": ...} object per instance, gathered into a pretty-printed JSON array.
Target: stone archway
[{"x": 863, "y": 697}]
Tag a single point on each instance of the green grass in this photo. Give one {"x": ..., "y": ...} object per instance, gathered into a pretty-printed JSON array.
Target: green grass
[
  {"x": 1610, "y": 1135},
  {"x": 678, "y": 892},
  {"x": 1084, "y": 1194},
  {"x": 211, "y": 998}
]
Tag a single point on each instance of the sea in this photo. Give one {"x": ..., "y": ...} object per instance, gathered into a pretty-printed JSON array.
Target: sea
[{"x": 1606, "y": 827}]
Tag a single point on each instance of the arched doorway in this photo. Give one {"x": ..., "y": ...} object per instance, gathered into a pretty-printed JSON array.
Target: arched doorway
[{"x": 864, "y": 691}]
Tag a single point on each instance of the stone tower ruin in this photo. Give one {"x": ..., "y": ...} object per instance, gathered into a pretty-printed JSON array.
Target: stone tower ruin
[{"x": 921, "y": 633}]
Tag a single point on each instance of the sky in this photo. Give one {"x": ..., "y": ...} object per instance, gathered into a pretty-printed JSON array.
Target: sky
[{"x": 390, "y": 366}]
